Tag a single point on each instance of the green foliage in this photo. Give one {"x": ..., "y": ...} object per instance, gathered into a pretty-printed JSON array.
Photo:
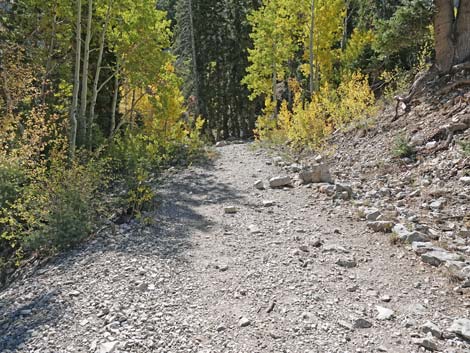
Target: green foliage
[
  {"x": 281, "y": 30},
  {"x": 55, "y": 210},
  {"x": 11, "y": 181},
  {"x": 402, "y": 148},
  {"x": 465, "y": 145},
  {"x": 48, "y": 201},
  {"x": 401, "y": 38},
  {"x": 137, "y": 155},
  {"x": 310, "y": 123}
]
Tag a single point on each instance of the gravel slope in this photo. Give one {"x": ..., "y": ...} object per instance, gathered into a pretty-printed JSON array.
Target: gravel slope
[{"x": 199, "y": 280}]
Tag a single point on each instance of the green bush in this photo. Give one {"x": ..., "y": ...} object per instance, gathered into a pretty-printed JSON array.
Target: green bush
[
  {"x": 465, "y": 147},
  {"x": 402, "y": 149},
  {"x": 54, "y": 211},
  {"x": 11, "y": 180},
  {"x": 136, "y": 156}
]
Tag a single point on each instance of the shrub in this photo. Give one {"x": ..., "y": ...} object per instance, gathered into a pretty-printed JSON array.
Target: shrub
[
  {"x": 310, "y": 123},
  {"x": 136, "y": 155},
  {"x": 55, "y": 211},
  {"x": 465, "y": 145},
  {"x": 402, "y": 149}
]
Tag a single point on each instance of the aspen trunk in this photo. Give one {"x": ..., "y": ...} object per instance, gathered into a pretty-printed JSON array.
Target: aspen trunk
[
  {"x": 452, "y": 33},
  {"x": 462, "y": 28},
  {"x": 76, "y": 82},
  {"x": 115, "y": 101},
  {"x": 311, "y": 54},
  {"x": 82, "y": 120}
]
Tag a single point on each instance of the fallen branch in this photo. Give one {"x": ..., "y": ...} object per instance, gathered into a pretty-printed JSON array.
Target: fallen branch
[{"x": 416, "y": 87}]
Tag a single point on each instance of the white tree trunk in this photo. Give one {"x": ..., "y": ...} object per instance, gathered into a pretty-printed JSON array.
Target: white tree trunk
[
  {"x": 76, "y": 82},
  {"x": 115, "y": 101},
  {"x": 82, "y": 120},
  {"x": 311, "y": 47}
]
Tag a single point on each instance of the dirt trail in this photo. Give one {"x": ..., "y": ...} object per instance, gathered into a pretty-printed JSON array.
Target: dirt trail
[{"x": 258, "y": 280}]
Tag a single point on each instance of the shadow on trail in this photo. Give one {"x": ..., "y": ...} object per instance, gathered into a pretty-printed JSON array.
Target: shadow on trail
[
  {"x": 168, "y": 238},
  {"x": 178, "y": 217},
  {"x": 17, "y": 325}
]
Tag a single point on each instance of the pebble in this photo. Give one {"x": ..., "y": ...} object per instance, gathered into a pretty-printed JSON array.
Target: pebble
[
  {"x": 362, "y": 323},
  {"x": 259, "y": 184},
  {"x": 465, "y": 180},
  {"x": 230, "y": 209},
  {"x": 347, "y": 263},
  {"x": 244, "y": 322}
]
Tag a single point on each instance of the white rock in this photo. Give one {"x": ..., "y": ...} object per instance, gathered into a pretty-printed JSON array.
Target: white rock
[
  {"x": 254, "y": 229},
  {"x": 437, "y": 205},
  {"x": 244, "y": 322},
  {"x": 427, "y": 342},
  {"x": 405, "y": 235},
  {"x": 280, "y": 181},
  {"x": 384, "y": 313},
  {"x": 422, "y": 247},
  {"x": 221, "y": 144},
  {"x": 108, "y": 347},
  {"x": 461, "y": 327},
  {"x": 259, "y": 185},
  {"x": 465, "y": 180}
]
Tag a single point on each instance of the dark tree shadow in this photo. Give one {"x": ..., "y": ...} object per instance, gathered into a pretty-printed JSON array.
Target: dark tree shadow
[
  {"x": 17, "y": 324},
  {"x": 176, "y": 216},
  {"x": 175, "y": 219}
]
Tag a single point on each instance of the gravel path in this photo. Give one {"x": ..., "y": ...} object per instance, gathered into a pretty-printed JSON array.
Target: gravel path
[{"x": 300, "y": 275}]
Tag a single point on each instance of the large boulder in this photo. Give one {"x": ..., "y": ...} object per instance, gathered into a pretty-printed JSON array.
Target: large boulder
[
  {"x": 409, "y": 236},
  {"x": 317, "y": 173},
  {"x": 438, "y": 257}
]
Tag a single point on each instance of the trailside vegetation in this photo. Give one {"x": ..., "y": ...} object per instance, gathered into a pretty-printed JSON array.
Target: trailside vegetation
[{"x": 98, "y": 96}]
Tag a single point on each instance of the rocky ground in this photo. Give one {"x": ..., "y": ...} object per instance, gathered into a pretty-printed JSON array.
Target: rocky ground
[
  {"x": 233, "y": 265},
  {"x": 425, "y": 197}
]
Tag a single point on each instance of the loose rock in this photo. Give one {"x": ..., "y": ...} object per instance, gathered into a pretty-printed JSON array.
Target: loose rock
[
  {"x": 461, "y": 327},
  {"x": 437, "y": 257},
  {"x": 244, "y": 322},
  {"x": 280, "y": 181},
  {"x": 384, "y": 313},
  {"x": 432, "y": 329},
  {"x": 381, "y": 226}
]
